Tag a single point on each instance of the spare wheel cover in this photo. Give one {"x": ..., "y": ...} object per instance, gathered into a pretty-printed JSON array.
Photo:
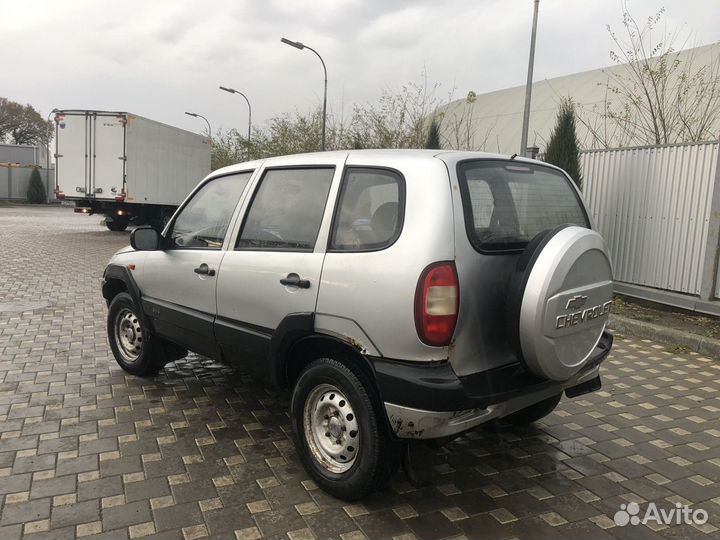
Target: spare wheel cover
[{"x": 565, "y": 302}]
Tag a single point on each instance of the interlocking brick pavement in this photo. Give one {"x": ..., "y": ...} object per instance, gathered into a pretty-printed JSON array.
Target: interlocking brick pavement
[{"x": 203, "y": 451}]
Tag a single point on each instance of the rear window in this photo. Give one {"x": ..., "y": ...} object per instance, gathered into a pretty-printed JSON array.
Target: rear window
[{"x": 506, "y": 204}]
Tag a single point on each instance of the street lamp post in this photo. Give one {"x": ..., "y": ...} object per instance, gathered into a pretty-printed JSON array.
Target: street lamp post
[
  {"x": 302, "y": 46},
  {"x": 196, "y": 115},
  {"x": 47, "y": 153},
  {"x": 233, "y": 91},
  {"x": 528, "y": 85}
]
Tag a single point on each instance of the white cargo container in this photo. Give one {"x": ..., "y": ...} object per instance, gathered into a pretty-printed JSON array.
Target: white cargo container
[{"x": 124, "y": 166}]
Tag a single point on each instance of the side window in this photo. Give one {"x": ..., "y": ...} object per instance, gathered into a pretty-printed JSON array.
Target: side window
[
  {"x": 203, "y": 222},
  {"x": 370, "y": 210},
  {"x": 287, "y": 210}
]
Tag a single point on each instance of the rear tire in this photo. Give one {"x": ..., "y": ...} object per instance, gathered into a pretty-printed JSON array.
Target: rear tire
[
  {"x": 117, "y": 225},
  {"x": 338, "y": 430},
  {"x": 135, "y": 349},
  {"x": 534, "y": 412}
]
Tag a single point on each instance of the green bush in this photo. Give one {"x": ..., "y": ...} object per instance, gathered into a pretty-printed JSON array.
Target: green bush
[
  {"x": 563, "y": 149},
  {"x": 36, "y": 189},
  {"x": 433, "y": 136}
]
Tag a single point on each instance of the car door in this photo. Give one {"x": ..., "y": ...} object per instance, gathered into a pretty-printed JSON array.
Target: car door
[
  {"x": 180, "y": 280},
  {"x": 108, "y": 155},
  {"x": 274, "y": 267},
  {"x": 72, "y": 151}
]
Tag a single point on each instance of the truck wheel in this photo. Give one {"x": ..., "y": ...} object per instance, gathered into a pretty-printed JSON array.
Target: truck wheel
[
  {"x": 164, "y": 220},
  {"x": 338, "y": 430},
  {"x": 117, "y": 225},
  {"x": 158, "y": 220},
  {"x": 534, "y": 412},
  {"x": 135, "y": 349}
]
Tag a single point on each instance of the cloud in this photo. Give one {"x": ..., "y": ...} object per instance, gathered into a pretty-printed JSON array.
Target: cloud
[{"x": 161, "y": 58}]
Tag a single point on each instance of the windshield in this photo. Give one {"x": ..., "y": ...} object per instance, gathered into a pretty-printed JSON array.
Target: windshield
[{"x": 506, "y": 203}]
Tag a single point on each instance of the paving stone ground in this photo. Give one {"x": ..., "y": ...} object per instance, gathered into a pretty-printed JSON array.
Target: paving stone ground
[{"x": 203, "y": 451}]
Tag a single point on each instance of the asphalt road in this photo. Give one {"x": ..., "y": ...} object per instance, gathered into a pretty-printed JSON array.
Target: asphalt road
[{"x": 204, "y": 451}]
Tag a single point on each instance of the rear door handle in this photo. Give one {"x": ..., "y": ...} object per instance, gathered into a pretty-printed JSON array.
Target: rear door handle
[
  {"x": 204, "y": 270},
  {"x": 293, "y": 280}
]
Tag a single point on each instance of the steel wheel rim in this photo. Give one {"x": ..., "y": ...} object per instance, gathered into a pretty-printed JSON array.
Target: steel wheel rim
[
  {"x": 128, "y": 335},
  {"x": 331, "y": 429}
]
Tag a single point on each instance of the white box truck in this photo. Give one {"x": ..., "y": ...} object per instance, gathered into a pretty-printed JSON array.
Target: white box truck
[{"x": 126, "y": 167}]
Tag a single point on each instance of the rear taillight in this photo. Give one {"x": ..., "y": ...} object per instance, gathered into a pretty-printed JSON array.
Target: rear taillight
[{"x": 436, "y": 304}]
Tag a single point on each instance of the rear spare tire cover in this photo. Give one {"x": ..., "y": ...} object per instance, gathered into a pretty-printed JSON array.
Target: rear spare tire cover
[{"x": 564, "y": 301}]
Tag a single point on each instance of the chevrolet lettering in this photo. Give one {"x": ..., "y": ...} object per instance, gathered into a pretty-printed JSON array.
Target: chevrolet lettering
[{"x": 578, "y": 317}]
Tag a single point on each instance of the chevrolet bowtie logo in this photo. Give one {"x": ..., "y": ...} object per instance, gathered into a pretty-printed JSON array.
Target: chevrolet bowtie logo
[{"x": 576, "y": 302}]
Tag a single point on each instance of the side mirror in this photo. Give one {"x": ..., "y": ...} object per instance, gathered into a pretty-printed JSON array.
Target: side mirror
[{"x": 145, "y": 239}]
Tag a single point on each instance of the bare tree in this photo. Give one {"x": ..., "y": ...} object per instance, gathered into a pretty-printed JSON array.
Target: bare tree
[
  {"x": 227, "y": 148},
  {"x": 400, "y": 118},
  {"x": 602, "y": 128},
  {"x": 658, "y": 94},
  {"x": 460, "y": 131}
]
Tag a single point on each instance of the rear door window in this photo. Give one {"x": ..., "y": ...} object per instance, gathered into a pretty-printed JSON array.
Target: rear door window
[
  {"x": 370, "y": 210},
  {"x": 287, "y": 210},
  {"x": 506, "y": 204}
]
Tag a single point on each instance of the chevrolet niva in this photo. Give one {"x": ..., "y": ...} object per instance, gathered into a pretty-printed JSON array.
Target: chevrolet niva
[{"x": 398, "y": 295}]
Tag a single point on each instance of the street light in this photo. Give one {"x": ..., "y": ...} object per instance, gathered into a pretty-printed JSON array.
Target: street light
[
  {"x": 302, "y": 46},
  {"x": 47, "y": 153},
  {"x": 196, "y": 115},
  {"x": 233, "y": 91},
  {"x": 528, "y": 84}
]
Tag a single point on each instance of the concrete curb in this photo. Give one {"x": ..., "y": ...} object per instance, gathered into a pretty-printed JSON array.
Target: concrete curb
[{"x": 669, "y": 336}]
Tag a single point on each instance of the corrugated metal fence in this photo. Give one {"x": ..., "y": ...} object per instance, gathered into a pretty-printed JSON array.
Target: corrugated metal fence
[
  {"x": 14, "y": 181},
  {"x": 654, "y": 206}
]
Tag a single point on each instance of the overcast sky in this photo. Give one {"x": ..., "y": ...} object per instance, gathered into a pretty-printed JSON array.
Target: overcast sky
[{"x": 160, "y": 58}]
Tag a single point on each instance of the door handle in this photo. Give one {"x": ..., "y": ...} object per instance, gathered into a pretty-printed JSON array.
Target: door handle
[
  {"x": 204, "y": 270},
  {"x": 293, "y": 280}
]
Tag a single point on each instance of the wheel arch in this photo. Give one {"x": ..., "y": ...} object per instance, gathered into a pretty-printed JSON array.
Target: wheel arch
[
  {"x": 112, "y": 287},
  {"x": 117, "y": 279},
  {"x": 313, "y": 346}
]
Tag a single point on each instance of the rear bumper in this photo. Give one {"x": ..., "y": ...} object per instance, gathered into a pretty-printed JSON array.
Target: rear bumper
[{"x": 428, "y": 402}]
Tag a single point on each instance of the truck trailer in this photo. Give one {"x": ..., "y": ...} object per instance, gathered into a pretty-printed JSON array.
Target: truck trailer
[{"x": 128, "y": 168}]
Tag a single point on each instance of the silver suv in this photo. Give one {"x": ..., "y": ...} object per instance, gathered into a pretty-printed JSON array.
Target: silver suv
[{"x": 398, "y": 294}]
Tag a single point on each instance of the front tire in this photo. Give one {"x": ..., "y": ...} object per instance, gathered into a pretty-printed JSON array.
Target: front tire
[
  {"x": 135, "y": 349},
  {"x": 338, "y": 432}
]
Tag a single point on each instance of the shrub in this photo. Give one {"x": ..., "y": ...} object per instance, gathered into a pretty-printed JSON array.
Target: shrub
[
  {"x": 563, "y": 149},
  {"x": 433, "y": 136},
  {"x": 36, "y": 189}
]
